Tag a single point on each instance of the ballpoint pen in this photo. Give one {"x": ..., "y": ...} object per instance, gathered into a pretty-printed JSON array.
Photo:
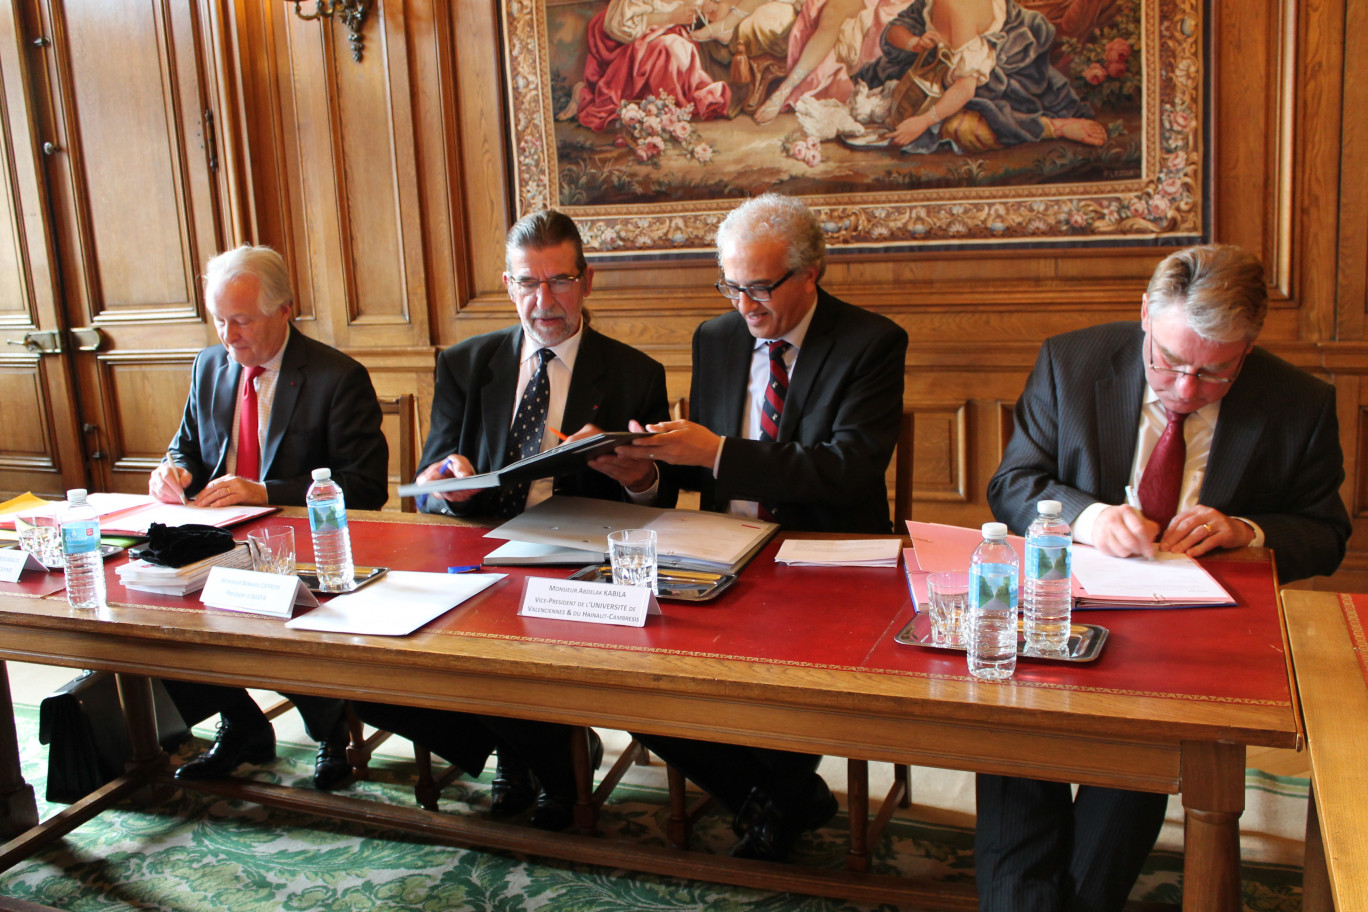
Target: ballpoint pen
[{"x": 174, "y": 477}]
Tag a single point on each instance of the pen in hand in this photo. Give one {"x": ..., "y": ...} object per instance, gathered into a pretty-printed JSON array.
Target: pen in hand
[
  {"x": 1133, "y": 501},
  {"x": 173, "y": 477}
]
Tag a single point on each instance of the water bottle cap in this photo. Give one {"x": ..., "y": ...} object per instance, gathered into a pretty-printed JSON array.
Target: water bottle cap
[
  {"x": 994, "y": 530},
  {"x": 76, "y": 495},
  {"x": 1050, "y": 507},
  {"x": 322, "y": 474}
]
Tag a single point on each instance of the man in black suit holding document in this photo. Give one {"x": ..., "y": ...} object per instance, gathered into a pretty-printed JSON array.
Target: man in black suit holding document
[
  {"x": 592, "y": 383},
  {"x": 1221, "y": 445},
  {"x": 500, "y": 397},
  {"x": 796, "y": 400}
]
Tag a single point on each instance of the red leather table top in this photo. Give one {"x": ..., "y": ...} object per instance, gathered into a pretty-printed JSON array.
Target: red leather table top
[{"x": 846, "y": 618}]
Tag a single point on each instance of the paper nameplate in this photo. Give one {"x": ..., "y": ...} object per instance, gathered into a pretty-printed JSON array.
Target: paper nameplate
[
  {"x": 14, "y": 561},
  {"x": 273, "y": 594},
  {"x": 595, "y": 603}
]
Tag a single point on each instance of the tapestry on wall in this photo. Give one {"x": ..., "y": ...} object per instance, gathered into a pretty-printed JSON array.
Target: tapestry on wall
[{"x": 928, "y": 122}]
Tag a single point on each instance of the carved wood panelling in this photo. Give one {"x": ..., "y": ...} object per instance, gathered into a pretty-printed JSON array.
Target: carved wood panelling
[
  {"x": 25, "y": 416},
  {"x": 139, "y": 383}
]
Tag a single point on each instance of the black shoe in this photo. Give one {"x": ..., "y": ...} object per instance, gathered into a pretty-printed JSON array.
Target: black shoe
[
  {"x": 556, "y": 809},
  {"x": 233, "y": 745},
  {"x": 775, "y": 829},
  {"x": 514, "y": 789},
  {"x": 331, "y": 767}
]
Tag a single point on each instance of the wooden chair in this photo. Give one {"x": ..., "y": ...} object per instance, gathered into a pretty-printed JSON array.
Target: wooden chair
[{"x": 397, "y": 413}]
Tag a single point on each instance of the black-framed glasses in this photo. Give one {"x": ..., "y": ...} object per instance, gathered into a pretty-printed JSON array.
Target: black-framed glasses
[
  {"x": 557, "y": 285},
  {"x": 1200, "y": 376},
  {"x": 757, "y": 292}
]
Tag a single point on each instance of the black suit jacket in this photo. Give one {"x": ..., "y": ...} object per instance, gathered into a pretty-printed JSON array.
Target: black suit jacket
[
  {"x": 825, "y": 473},
  {"x": 325, "y": 414},
  {"x": 472, "y": 408},
  {"x": 1275, "y": 457}
]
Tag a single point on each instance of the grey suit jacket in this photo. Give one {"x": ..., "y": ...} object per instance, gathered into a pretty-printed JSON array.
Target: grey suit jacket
[
  {"x": 825, "y": 473},
  {"x": 476, "y": 388},
  {"x": 1275, "y": 457},
  {"x": 325, "y": 414}
]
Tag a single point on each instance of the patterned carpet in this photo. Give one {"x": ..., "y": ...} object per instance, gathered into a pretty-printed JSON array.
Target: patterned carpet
[{"x": 197, "y": 853}]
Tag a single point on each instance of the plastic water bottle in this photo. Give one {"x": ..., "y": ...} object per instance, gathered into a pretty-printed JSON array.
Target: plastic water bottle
[
  {"x": 85, "y": 579},
  {"x": 1048, "y": 599},
  {"x": 991, "y": 621},
  {"x": 331, "y": 540}
]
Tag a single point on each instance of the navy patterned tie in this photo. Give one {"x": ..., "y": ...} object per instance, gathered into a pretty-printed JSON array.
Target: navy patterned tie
[
  {"x": 525, "y": 436},
  {"x": 772, "y": 409}
]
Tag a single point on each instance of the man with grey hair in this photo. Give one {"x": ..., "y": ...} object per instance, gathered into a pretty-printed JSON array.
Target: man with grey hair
[
  {"x": 265, "y": 409},
  {"x": 795, "y": 401},
  {"x": 1225, "y": 446}
]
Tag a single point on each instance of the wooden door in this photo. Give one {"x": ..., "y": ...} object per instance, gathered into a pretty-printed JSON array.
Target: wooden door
[{"x": 111, "y": 105}]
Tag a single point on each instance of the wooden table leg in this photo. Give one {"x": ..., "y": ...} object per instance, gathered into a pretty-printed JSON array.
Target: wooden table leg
[
  {"x": 1213, "y": 798},
  {"x": 857, "y": 804},
  {"x": 18, "y": 809},
  {"x": 1316, "y": 893}
]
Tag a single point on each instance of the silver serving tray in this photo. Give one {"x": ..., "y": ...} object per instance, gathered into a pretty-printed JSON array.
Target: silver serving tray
[
  {"x": 1085, "y": 640},
  {"x": 674, "y": 583},
  {"x": 308, "y": 574}
]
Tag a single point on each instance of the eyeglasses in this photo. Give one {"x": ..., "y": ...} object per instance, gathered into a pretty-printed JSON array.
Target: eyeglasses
[
  {"x": 557, "y": 285},
  {"x": 758, "y": 292},
  {"x": 1200, "y": 376}
]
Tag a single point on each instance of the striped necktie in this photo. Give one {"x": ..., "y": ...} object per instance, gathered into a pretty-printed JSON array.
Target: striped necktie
[
  {"x": 772, "y": 409},
  {"x": 525, "y": 436}
]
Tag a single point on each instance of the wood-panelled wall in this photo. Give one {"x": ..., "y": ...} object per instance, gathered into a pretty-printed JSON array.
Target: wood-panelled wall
[{"x": 386, "y": 184}]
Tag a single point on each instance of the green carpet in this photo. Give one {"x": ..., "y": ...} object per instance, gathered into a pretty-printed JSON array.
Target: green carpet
[{"x": 199, "y": 853}]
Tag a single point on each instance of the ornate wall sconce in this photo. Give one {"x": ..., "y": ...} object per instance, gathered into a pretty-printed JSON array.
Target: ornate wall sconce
[{"x": 351, "y": 12}]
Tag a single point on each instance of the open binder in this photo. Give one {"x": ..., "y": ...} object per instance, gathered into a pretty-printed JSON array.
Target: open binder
[{"x": 561, "y": 460}]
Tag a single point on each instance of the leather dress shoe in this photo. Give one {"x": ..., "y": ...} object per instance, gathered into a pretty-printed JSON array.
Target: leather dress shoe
[
  {"x": 556, "y": 810},
  {"x": 772, "y": 833},
  {"x": 513, "y": 790},
  {"x": 233, "y": 744},
  {"x": 331, "y": 767}
]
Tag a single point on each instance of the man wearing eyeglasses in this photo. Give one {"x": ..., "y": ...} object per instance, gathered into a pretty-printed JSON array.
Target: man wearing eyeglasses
[
  {"x": 594, "y": 384},
  {"x": 796, "y": 400},
  {"x": 502, "y": 396},
  {"x": 796, "y": 395},
  {"x": 1222, "y": 445}
]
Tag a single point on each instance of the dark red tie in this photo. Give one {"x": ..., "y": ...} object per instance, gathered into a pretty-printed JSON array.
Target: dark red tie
[
  {"x": 249, "y": 443},
  {"x": 1163, "y": 476},
  {"x": 773, "y": 407}
]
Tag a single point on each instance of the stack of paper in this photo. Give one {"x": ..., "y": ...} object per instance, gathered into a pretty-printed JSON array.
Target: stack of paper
[
  {"x": 871, "y": 552},
  {"x": 131, "y": 514},
  {"x": 690, "y": 539},
  {"x": 140, "y": 575},
  {"x": 1099, "y": 580}
]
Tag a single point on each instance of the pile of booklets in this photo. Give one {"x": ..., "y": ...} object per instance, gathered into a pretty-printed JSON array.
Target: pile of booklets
[{"x": 140, "y": 575}]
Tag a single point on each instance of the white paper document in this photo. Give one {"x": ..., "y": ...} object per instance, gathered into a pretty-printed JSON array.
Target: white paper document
[
  {"x": 1169, "y": 579},
  {"x": 397, "y": 604},
  {"x": 871, "y": 552}
]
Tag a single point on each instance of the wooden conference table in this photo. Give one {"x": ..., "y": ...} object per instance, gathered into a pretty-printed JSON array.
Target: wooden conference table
[
  {"x": 1330, "y": 653},
  {"x": 793, "y": 658}
]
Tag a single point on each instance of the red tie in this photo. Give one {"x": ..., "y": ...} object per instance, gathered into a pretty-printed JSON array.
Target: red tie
[
  {"x": 249, "y": 444},
  {"x": 1163, "y": 476}
]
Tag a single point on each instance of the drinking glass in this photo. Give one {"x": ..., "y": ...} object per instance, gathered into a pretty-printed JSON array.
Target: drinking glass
[
  {"x": 949, "y": 594},
  {"x": 273, "y": 550},
  {"x": 632, "y": 553},
  {"x": 40, "y": 535}
]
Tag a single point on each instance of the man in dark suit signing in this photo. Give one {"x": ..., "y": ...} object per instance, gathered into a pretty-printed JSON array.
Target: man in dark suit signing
[
  {"x": 307, "y": 406},
  {"x": 796, "y": 400},
  {"x": 1225, "y": 446},
  {"x": 500, "y": 397}
]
